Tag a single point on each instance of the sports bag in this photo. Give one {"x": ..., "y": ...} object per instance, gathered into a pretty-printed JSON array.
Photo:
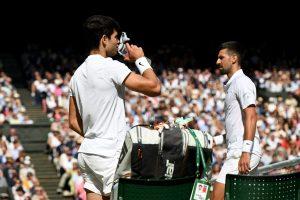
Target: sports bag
[{"x": 167, "y": 153}]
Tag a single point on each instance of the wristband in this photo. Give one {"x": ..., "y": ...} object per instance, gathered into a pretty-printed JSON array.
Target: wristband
[
  {"x": 142, "y": 64},
  {"x": 247, "y": 146}
]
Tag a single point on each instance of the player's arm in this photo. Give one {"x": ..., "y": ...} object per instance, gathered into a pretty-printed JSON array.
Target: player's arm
[
  {"x": 247, "y": 99},
  {"x": 250, "y": 122},
  {"x": 75, "y": 121},
  {"x": 249, "y": 133},
  {"x": 146, "y": 83}
]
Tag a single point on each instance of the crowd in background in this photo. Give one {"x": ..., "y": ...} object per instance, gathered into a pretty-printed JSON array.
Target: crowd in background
[
  {"x": 12, "y": 110},
  {"x": 17, "y": 175},
  {"x": 187, "y": 91}
]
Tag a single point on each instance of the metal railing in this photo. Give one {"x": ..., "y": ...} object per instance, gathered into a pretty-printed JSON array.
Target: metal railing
[{"x": 279, "y": 165}]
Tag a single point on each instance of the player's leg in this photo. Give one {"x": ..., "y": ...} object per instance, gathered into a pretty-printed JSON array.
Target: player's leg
[
  {"x": 218, "y": 191},
  {"x": 230, "y": 166}
]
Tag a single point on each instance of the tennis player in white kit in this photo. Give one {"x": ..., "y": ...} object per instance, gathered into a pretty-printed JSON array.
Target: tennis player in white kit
[
  {"x": 242, "y": 138},
  {"x": 97, "y": 109}
]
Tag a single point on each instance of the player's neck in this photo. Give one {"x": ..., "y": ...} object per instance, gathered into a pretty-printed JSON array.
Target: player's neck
[
  {"x": 233, "y": 70},
  {"x": 99, "y": 52}
]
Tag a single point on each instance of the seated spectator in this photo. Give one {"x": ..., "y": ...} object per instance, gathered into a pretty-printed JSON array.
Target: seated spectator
[
  {"x": 21, "y": 194},
  {"x": 3, "y": 182},
  {"x": 39, "y": 194}
]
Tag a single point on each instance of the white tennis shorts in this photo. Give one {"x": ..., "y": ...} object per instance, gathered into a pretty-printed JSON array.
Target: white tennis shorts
[
  {"x": 230, "y": 166},
  {"x": 98, "y": 172}
]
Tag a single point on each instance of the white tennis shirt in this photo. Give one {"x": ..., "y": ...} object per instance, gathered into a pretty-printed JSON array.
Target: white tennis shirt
[
  {"x": 98, "y": 88},
  {"x": 240, "y": 93}
]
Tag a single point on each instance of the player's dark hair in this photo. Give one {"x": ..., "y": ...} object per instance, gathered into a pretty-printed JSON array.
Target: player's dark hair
[
  {"x": 96, "y": 26},
  {"x": 234, "y": 47}
]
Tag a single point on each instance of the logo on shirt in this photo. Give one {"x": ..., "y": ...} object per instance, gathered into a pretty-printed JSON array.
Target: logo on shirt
[{"x": 140, "y": 63}]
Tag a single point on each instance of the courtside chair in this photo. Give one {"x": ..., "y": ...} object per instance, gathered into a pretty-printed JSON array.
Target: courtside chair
[
  {"x": 174, "y": 189},
  {"x": 242, "y": 187}
]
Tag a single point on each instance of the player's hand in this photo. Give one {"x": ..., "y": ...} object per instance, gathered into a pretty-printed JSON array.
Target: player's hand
[
  {"x": 133, "y": 52},
  {"x": 244, "y": 163}
]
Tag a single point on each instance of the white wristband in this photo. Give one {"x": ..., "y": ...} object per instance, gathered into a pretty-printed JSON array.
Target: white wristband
[
  {"x": 142, "y": 64},
  {"x": 247, "y": 146}
]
